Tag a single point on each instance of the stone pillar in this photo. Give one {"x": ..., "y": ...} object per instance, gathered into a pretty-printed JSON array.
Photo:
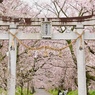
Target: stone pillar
[
  {"x": 12, "y": 61},
  {"x": 81, "y": 64}
]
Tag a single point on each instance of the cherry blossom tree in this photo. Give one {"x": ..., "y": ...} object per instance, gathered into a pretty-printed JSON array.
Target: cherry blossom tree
[
  {"x": 14, "y": 8},
  {"x": 71, "y": 8},
  {"x": 36, "y": 68}
]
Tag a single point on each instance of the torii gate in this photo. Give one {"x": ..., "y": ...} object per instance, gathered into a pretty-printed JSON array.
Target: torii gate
[{"x": 79, "y": 22}]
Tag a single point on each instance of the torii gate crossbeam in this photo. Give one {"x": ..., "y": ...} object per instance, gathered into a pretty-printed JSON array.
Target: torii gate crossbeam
[{"x": 78, "y": 22}]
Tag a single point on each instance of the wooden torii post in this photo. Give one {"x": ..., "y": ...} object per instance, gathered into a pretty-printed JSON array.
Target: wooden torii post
[{"x": 79, "y": 22}]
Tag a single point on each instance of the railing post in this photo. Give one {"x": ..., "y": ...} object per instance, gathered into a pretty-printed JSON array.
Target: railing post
[
  {"x": 81, "y": 63},
  {"x": 12, "y": 61}
]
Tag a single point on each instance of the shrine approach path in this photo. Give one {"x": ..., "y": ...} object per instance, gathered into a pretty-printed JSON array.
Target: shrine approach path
[{"x": 41, "y": 92}]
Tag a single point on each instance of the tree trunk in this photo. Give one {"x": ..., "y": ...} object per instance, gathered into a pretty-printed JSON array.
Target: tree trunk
[
  {"x": 28, "y": 88},
  {"x": 21, "y": 88},
  {"x": 32, "y": 88}
]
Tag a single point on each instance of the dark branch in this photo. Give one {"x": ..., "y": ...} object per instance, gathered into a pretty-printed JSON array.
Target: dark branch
[{"x": 1, "y": 1}]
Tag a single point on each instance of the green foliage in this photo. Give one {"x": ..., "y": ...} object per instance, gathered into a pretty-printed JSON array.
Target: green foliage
[
  {"x": 92, "y": 92},
  {"x": 75, "y": 92},
  {"x": 2, "y": 91},
  {"x": 18, "y": 91},
  {"x": 53, "y": 92},
  {"x": 71, "y": 47}
]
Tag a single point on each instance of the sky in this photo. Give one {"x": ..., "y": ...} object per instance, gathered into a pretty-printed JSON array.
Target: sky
[{"x": 31, "y": 1}]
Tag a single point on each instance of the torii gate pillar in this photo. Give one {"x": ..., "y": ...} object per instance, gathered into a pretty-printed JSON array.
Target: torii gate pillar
[
  {"x": 12, "y": 61},
  {"x": 81, "y": 64}
]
